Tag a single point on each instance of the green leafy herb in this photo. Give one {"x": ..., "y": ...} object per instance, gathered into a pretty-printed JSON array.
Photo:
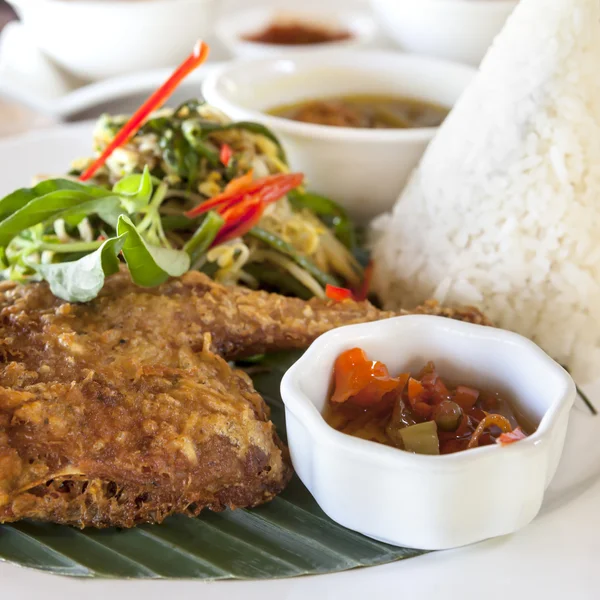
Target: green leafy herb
[
  {"x": 175, "y": 152},
  {"x": 81, "y": 280},
  {"x": 108, "y": 209},
  {"x": 19, "y": 198},
  {"x": 150, "y": 265},
  {"x": 135, "y": 191},
  {"x": 58, "y": 204}
]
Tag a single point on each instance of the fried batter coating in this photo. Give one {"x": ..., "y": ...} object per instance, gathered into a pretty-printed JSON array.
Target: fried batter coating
[{"x": 124, "y": 410}]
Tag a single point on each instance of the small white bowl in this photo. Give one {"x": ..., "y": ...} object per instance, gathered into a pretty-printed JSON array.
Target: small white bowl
[
  {"x": 459, "y": 30},
  {"x": 232, "y": 29},
  {"x": 362, "y": 169},
  {"x": 95, "y": 39},
  {"x": 430, "y": 502}
]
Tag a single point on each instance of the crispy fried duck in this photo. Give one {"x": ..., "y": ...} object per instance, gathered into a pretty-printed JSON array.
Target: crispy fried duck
[{"x": 124, "y": 410}]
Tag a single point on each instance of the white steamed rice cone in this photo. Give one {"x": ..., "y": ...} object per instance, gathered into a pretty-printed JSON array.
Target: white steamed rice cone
[{"x": 504, "y": 210}]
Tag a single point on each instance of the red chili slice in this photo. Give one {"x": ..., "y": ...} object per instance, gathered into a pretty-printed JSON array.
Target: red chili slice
[
  {"x": 272, "y": 188},
  {"x": 239, "y": 220},
  {"x": 225, "y": 154},
  {"x": 333, "y": 292},
  {"x": 241, "y": 182}
]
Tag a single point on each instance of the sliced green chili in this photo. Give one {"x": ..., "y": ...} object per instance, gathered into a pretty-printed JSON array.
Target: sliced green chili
[
  {"x": 331, "y": 213},
  {"x": 278, "y": 279},
  {"x": 194, "y": 134},
  {"x": 200, "y": 242},
  {"x": 181, "y": 222},
  {"x": 275, "y": 242}
]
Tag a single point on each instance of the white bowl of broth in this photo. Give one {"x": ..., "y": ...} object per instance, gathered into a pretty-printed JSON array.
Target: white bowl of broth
[{"x": 378, "y": 111}]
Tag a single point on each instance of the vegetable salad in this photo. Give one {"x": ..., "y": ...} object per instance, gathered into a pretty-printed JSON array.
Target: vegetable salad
[{"x": 190, "y": 190}]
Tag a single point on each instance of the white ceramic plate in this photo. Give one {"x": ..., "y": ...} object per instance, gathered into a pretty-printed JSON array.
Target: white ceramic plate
[
  {"x": 28, "y": 76},
  {"x": 554, "y": 558}
]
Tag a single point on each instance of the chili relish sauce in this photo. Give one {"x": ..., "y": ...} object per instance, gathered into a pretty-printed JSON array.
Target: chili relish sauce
[{"x": 420, "y": 413}]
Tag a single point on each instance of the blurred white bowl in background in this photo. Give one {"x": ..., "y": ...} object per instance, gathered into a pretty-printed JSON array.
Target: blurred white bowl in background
[
  {"x": 95, "y": 39},
  {"x": 459, "y": 30},
  {"x": 234, "y": 27},
  {"x": 362, "y": 169}
]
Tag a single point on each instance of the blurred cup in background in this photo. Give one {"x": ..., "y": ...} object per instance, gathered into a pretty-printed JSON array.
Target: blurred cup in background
[
  {"x": 98, "y": 39},
  {"x": 460, "y": 30}
]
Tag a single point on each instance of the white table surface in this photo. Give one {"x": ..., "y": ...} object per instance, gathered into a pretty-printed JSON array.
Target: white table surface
[{"x": 15, "y": 119}]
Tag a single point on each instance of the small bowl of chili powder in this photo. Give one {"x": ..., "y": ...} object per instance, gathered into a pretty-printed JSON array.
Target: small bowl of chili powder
[{"x": 264, "y": 32}]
